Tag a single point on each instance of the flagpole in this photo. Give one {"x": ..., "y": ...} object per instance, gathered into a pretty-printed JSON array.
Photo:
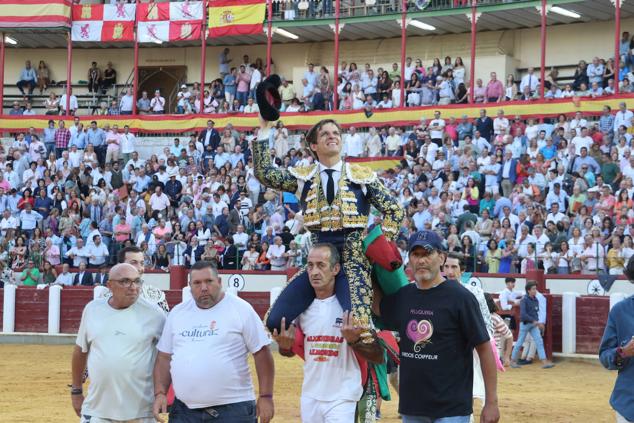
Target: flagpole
[
  {"x": 69, "y": 70},
  {"x": 135, "y": 81},
  {"x": 203, "y": 54},
  {"x": 2, "y": 50},
  {"x": 403, "y": 50},
  {"x": 474, "y": 21},
  {"x": 269, "y": 36},
  {"x": 335, "y": 100}
]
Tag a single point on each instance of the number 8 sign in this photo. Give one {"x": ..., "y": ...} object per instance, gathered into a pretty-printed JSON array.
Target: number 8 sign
[{"x": 236, "y": 282}]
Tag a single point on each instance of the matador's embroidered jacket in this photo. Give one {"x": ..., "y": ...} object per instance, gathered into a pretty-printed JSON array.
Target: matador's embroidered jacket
[{"x": 340, "y": 223}]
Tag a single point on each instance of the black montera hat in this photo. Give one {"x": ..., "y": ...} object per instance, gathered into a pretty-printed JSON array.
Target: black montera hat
[{"x": 268, "y": 98}]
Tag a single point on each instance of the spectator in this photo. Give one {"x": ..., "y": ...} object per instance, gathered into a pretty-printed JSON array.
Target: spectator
[
  {"x": 28, "y": 78},
  {"x": 94, "y": 78},
  {"x": 109, "y": 77},
  {"x": 529, "y": 310},
  {"x": 72, "y": 105},
  {"x": 495, "y": 90},
  {"x": 157, "y": 104},
  {"x": 617, "y": 346},
  {"x": 125, "y": 314},
  {"x": 243, "y": 80},
  {"x": 208, "y": 295}
]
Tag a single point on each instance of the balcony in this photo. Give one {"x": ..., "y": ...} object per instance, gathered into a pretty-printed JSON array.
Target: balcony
[{"x": 284, "y": 10}]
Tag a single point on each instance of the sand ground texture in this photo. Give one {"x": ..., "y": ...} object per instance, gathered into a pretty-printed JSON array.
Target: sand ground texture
[{"x": 34, "y": 379}]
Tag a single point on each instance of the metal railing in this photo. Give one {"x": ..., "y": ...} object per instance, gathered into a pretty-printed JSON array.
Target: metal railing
[{"x": 325, "y": 9}]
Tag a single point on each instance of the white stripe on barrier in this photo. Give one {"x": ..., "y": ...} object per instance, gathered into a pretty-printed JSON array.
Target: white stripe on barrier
[
  {"x": 569, "y": 323},
  {"x": 275, "y": 292},
  {"x": 54, "y": 304},
  {"x": 8, "y": 308}
]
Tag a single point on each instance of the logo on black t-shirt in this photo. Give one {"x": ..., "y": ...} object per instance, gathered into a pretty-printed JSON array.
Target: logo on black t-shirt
[{"x": 420, "y": 332}]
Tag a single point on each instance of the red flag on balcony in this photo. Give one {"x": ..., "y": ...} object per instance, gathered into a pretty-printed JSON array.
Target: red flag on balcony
[
  {"x": 165, "y": 22},
  {"x": 236, "y": 17},
  {"x": 103, "y": 22}
]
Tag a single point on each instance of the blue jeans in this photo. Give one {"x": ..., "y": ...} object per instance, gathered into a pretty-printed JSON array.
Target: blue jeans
[
  {"x": 239, "y": 412},
  {"x": 525, "y": 329},
  {"x": 242, "y": 97},
  {"x": 423, "y": 419}
]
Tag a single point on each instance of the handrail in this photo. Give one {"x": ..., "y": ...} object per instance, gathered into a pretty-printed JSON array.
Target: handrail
[{"x": 324, "y": 9}]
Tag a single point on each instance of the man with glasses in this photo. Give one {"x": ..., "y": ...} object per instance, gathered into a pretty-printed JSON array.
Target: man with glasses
[
  {"x": 117, "y": 342},
  {"x": 440, "y": 325}
]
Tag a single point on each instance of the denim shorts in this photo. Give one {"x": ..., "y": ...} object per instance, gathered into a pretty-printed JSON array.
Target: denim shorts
[{"x": 239, "y": 412}]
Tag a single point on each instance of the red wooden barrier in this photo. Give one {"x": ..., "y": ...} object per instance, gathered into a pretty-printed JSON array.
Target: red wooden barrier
[
  {"x": 258, "y": 300},
  {"x": 72, "y": 306},
  {"x": 592, "y": 314},
  {"x": 555, "y": 318},
  {"x": 173, "y": 297},
  {"x": 1, "y": 307},
  {"x": 31, "y": 309}
]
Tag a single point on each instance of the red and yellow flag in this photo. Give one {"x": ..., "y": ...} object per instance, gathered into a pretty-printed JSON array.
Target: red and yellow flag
[{"x": 236, "y": 17}]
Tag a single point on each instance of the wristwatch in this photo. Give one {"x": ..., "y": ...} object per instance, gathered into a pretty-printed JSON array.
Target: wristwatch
[{"x": 76, "y": 391}]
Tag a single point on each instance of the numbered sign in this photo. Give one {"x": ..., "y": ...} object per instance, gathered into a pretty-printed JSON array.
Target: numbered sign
[{"x": 236, "y": 282}]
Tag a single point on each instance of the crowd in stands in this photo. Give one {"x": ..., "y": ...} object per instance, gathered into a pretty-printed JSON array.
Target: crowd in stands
[
  {"x": 508, "y": 193},
  {"x": 425, "y": 84}
]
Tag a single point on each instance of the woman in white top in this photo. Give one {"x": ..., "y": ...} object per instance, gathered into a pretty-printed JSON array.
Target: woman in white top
[
  {"x": 510, "y": 88},
  {"x": 532, "y": 149},
  {"x": 459, "y": 71},
  {"x": 567, "y": 92},
  {"x": 549, "y": 258},
  {"x": 565, "y": 258},
  {"x": 51, "y": 104},
  {"x": 90, "y": 157},
  {"x": 281, "y": 140},
  {"x": 249, "y": 258},
  {"x": 210, "y": 105},
  {"x": 374, "y": 144},
  {"x": 628, "y": 249},
  {"x": 396, "y": 94},
  {"x": 358, "y": 98}
]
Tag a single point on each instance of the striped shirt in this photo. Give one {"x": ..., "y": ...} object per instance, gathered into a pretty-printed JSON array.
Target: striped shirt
[{"x": 501, "y": 331}]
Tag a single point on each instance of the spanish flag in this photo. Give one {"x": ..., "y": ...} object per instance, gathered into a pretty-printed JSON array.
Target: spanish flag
[
  {"x": 377, "y": 164},
  {"x": 236, "y": 17}
]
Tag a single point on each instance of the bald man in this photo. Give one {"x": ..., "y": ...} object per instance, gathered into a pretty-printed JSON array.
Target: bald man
[{"x": 117, "y": 341}]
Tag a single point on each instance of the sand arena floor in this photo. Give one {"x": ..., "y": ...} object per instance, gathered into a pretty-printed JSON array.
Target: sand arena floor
[{"x": 34, "y": 379}]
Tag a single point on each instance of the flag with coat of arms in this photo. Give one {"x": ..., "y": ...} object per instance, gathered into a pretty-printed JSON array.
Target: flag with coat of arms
[
  {"x": 236, "y": 17},
  {"x": 173, "y": 21},
  {"x": 103, "y": 22}
]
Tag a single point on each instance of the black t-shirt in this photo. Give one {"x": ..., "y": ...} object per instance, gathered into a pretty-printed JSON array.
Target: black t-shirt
[{"x": 439, "y": 328}]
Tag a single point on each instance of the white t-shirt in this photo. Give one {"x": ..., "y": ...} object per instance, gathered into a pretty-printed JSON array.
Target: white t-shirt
[
  {"x": 436, "y": 133},
  {"x": 209, "y": 350},
  {"x": 121, "y": 347},
  {"x": 331, "y": 371},
  {"x": 579, "y": 142}
]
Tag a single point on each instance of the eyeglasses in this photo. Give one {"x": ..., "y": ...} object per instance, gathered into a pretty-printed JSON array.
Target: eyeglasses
[{"x": 128, "y": 282}]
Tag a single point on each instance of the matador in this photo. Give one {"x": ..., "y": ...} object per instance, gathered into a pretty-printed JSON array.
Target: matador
[{"x": 335, "y": 199}]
